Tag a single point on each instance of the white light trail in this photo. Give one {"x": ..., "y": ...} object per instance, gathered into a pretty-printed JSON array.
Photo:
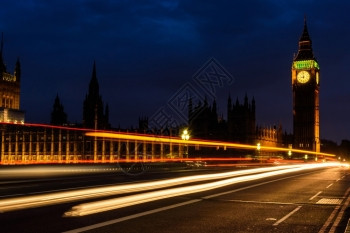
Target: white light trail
[
  {"x": 34, "y": 172},
  {"x": 17, "y": 203},
  {"x": 111, "y": 204}
]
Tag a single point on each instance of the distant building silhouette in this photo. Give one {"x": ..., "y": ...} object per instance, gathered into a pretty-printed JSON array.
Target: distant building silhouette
[
  {"x": 240, "y": 125},
  {"x": 241, "y": 120},
  {"x": 344, "y": 149},
  {"x": 95, "y": 114},
  {"x": 143, "y": 124},
  {"x": 10, "y": 88},
  {"x": 203, "y": 120},
  {"x": 58, "y": 116}
]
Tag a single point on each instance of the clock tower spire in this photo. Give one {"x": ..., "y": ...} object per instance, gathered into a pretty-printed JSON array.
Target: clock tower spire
[
  {"x": 305, "y": 86},
  {"x": 305, "y": 45}
]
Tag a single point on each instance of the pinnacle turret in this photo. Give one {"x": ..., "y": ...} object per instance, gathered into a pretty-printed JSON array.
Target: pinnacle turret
[
  {"x": 94, "y": 115},
  {"x": 18, "y": 70},
  {"x": 93, "y": 86}
]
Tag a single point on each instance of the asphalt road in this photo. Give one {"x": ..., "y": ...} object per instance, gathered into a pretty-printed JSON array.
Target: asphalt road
[{"x": 304, "y": 201}]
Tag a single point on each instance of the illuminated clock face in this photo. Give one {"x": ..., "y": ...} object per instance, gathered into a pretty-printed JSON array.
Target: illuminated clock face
[
  {"x": 303, "y": 76},
  {"x": 317, "y": 78}
]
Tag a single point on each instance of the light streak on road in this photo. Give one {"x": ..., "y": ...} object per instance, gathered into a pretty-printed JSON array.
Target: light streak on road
[
  {"x": 115, "y": 203},
  {"x": 17, "y": 203},
  {"x": 43, "y": 171}
]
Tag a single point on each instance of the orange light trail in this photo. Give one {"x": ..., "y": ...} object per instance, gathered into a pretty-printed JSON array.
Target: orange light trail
[
  {"x": 154, "y": 139},
  {"x": 194, "y": 142},
  {"x": 146, "y": 160},
  {"x": 166, "y": 139}
]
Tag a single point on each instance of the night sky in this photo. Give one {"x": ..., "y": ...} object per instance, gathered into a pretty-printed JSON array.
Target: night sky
[{"x": 145, "y": 51}]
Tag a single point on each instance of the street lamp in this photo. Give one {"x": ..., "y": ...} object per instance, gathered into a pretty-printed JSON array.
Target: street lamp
[
  {"x": 185, "y": 136},
  {"x": 258, "y": 147},
  {"x": 290, "y": 146}
]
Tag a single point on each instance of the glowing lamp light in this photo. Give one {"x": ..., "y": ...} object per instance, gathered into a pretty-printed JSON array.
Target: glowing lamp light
[
  {"x": 185, "y": 135},
  {"x": 258, "y": 146}
]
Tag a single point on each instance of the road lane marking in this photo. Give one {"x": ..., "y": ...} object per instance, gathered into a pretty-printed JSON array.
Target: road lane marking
[
  {"x": 315, "y": 195},
  {"x": 102, "y": 224},
  {"x": 330, "y": 201},
  {"x": 287, "y": 216},
  {"x": 110, "y": 222},
  {"x": 337, "y": 180},
  {"x": 341, "y": 213},
  {"x": 329, "y": 220},
  {"x": 329, "y": 185},
  {"x": 262, "y": 202},
  {"x": 335, "y": 211}
]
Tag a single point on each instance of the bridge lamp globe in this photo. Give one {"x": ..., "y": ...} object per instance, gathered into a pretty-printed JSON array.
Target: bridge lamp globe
[
  {"x": 258, "y": 146},
  {"x": 185, "y": 135}
]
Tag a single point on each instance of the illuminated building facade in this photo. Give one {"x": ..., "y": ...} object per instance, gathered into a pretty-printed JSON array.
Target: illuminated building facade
[
  {"x": 270, "y": 136},
  {"x": 10, "y": 92},
  {"x": 305, "y": 86},
  {"x": 30, "y": 144}
]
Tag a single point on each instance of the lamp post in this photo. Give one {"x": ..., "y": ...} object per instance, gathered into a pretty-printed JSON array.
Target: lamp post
[
  {"x": 290, "y": 147},
  {"x": 185, "y": 136},
  {"x": 258, "y": 147}
]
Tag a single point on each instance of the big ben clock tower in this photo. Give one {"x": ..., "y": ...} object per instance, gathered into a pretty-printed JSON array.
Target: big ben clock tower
[{"x": 305, "y": 84}]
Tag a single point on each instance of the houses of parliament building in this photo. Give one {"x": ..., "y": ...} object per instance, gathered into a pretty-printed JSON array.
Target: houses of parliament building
[{"x": 56, "y": 143}]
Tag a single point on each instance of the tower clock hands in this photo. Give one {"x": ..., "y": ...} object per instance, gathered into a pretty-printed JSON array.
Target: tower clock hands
[{"x": 303, "y": 76}]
